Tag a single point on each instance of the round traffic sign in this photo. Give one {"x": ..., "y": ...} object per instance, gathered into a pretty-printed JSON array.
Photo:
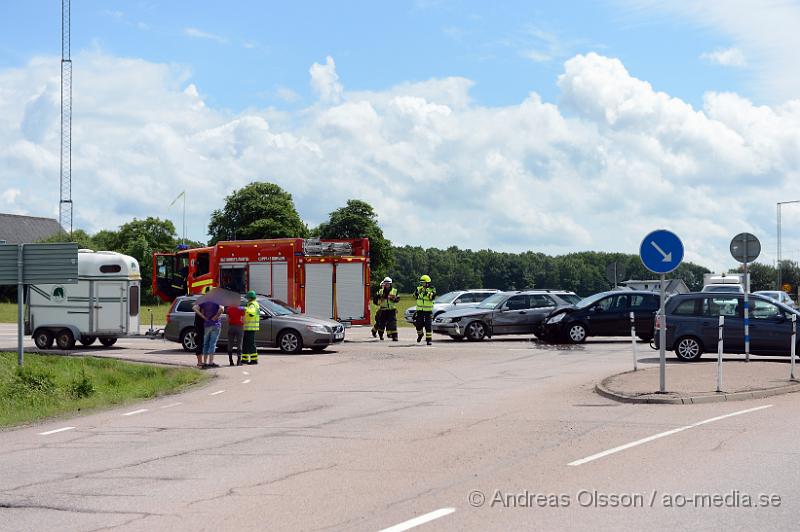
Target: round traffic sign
[
  {"x": 661, "y": 251},
  {"x": 745, "y": 247},
  {"x": 615, "y": 272}
]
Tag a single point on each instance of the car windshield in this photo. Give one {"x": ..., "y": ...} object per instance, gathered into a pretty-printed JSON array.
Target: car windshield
[
  {"x": 572, "y": 299},
  {"x": 493, "y": 300},
  {"x": 591, "y": 300},
  {"x": 278, "y": 308},
  {"x": 447, "y": 298}
]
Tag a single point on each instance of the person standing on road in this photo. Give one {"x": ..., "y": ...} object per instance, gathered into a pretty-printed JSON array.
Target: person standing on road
[
  {"x": 212, "y": 312},
  {"x": 199, "y": 334},
  {"x": 386, "y": 315},
  {"x": 235, "y": 331},
  {"x": 424, "y": 294},
  {"x": 252, "y": 322}
]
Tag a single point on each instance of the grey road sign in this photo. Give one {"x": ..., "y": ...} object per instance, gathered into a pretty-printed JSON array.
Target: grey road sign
[
  {"x": 745, "y": 247},
  {"x": 615, "y": 272}
]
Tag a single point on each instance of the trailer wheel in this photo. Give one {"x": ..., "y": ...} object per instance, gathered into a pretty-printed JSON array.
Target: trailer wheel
[
  {"x": 108, "y": 342},
  {"x": 87, "y": 340},
  {"x": 43, "y": 339},
  {"x": 65, "y": 340}
]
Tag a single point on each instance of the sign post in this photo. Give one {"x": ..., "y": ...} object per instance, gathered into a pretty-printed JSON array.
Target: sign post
[
  {"x": 746, "y": 248},
  {"x": 661, "y": 252}
]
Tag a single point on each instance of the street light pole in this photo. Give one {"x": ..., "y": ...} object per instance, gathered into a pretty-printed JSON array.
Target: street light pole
[{"x": 778, "y": 264}]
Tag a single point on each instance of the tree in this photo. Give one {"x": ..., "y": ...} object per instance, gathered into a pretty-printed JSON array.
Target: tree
[
  {"x": 259, "y": 210},
  {"x": 358, "y": 220}
]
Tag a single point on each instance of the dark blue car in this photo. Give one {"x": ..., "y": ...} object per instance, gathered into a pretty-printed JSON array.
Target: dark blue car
[{"x": 693, "y": 324}]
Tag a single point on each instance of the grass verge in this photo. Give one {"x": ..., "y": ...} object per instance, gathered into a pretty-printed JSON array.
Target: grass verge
[
  {"x": 8, "y": 313},
  {"x": 50, "y": 385},
  {"x": 406, "y": 300}
]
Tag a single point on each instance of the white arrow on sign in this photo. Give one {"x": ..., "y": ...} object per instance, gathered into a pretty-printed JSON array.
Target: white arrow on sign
[{"x": 667, "y": 256}]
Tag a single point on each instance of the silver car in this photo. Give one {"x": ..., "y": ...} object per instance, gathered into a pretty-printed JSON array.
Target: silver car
[
  {"x": 453, "y": 300},
  {"x": 281, "y": 327},
  {"x": 778, "y": 295}
]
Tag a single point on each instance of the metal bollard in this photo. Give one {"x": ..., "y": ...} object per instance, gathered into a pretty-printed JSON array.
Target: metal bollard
[
  {"x": 633, "y": 341},
  {"x": 794, "y": 343},
  {"x": 719, "y": 354}
]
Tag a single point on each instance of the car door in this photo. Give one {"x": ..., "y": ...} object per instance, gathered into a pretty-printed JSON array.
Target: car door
[
  {"x": 541, "y": 306},
  {"x": 730, "y": 306},
  {"x": 265, "y": 336},
  {"x": 643, "y": 307},
  {"x": 510, "y": 318},
  {"x": 605, "y": 315},
  {"x": 770, "y": 331}
]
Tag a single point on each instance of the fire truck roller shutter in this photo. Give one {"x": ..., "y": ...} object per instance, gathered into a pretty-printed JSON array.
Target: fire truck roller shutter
[
  {"x": 280, "y": 281},
  {"x": 260, "y": 278},
  {"x": 350, "y": 290},
  {"x": 319, "y": 290}
]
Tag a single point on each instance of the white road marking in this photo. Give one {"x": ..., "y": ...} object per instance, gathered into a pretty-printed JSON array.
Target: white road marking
[
  {"x": 421, "y": 520},
  {"x": 245, "y": 381},
  {"x": 135, "y": 412},
  {"x": 49, "y": 432},
  {"x": 245, "y": 373},
  {"x": 218, "y": 392},
  {"x": 170, "y": 406},
  {"x": 662, "y": 435}
]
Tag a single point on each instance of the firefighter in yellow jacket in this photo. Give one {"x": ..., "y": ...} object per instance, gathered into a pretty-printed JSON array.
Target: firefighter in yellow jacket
[
  {"x": 424, "y": 294},
  {"x": 252, "y": 322},
  {"x": 386, "y": 316}
]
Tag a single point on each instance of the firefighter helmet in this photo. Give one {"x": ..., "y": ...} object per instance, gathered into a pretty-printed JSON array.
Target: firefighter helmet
[
  {"x": 425, "y": 279},
  {"x": 386, "y": 280},
  {"x": 251, "y": 294}
]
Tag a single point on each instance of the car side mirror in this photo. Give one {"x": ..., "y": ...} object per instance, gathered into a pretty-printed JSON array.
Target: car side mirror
[{"x": 597, "y": 308}]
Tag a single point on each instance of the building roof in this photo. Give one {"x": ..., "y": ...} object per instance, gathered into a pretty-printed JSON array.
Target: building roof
[{"x": 17, "y": 229}]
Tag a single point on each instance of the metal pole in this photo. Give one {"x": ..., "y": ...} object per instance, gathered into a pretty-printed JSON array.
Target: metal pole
[
  {"x": 778, "y": 249},
  {"x": 633, "y": 341},
  {"x": 794, "y": 343},
  {"x": 662, "y": 384},
  {"x": 20, "y": 304},
  {"x": 746, "y": 308},
  {"x": 719, "y": 354},
  {"x": 184, "y": 217}
]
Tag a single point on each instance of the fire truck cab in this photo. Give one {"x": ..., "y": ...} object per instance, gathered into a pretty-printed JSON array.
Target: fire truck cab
[{"x": 323, "y": 278}]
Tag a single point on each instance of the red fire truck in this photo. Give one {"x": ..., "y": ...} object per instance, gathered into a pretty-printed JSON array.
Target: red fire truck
[{"x": 324, "y": 278}]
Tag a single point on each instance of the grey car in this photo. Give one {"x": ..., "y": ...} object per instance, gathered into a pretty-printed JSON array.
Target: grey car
[
  {"x": 455, "y": 299},
  {"x": 778, "y": 295},
  {"x": 281, "y": 327},
  {"x": 517, "y": 312}
]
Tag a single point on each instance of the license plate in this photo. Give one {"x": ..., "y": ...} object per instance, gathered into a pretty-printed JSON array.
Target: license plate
[{"x": 339, "y": 336}]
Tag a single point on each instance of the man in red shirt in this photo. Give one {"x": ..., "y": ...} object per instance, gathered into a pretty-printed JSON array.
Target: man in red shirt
[{"x": 235, "y": 328}]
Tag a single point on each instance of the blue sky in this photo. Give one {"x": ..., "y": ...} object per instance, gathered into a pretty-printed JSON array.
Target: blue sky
[{"x": 551, "y": 126}]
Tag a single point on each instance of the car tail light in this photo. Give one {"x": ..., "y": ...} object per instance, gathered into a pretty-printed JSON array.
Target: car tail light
[
  {"x": 171, "y": 308},
  {"x": 659, "y": 317}
]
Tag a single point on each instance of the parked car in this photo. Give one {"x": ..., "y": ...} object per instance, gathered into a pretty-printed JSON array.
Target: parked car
[
  {"x": 778, "y": 295},
  {"x": 281, "y": 326},
  {"x": 603, "y": 314},
  {"x": 454, "y": 299},
  {"x": 517, "y": 312},
  {"x": 724, "y": 288},
  {"x": 693, "y": 324}
]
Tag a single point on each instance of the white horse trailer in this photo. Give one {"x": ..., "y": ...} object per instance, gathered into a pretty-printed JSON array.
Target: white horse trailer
[{"x": 103, "y": 305}]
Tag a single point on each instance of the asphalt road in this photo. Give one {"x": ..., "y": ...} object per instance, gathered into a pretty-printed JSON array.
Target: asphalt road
[{"x": 499, "y": 435}]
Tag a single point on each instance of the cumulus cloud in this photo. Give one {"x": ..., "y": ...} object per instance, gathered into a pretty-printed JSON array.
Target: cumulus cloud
[
  {"x": 611, "y": 160},
  {"x": 200, "y": 34},
  {"x": 726, "y": 57}
]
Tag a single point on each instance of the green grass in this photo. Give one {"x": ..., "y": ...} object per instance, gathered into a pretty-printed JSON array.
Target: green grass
[
  {"x": 50, "y": 385},
  {"x": 406, "y": 300},
  {"x": 8, "y": 313}
]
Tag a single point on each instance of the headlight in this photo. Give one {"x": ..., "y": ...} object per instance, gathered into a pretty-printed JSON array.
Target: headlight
[
  {"x": 454, "y": 320},
  {"x": 320, "y": 329},
  {"x": 557, "y": 318}
]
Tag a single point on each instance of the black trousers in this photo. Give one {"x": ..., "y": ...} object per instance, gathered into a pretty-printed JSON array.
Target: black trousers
[
  {"x": 422, "y": 318},
  {"x": 386, "y": 319}
]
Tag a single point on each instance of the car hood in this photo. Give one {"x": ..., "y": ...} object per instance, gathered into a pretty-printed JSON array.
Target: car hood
[
  {"x": 301, "y": 319},
  {"x": 568, "y": 309},
  {"x": 460, "y": 313}
]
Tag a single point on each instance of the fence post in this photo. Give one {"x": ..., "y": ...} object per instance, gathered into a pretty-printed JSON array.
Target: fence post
[
  {"x": 719, "y": 354},
  {"x": 633, "y": 341},
  {"x": 794, "y": 343}
]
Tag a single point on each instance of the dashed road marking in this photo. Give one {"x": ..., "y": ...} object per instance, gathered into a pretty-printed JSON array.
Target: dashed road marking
[
  {"x": 49, "y": 432},
  {"x": 141, "y": 410},
  {"x": 170, "y": 406},
  {"x": 421, "y": 520},
  {"x": 245, "y": 381},
  {"x": 662, "y": 435},
  {"x": 218, "y": 392},
  {"x": 245, "y": 373}
]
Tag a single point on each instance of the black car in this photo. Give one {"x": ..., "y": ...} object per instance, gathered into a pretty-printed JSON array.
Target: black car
[
  {"x": 603, "y": 314},
  {"x": 693, "y": 324}
]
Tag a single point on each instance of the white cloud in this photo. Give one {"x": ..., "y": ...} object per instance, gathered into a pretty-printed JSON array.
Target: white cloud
[
  {"x": 199, "y": 34},
  {"x": 325, "y": 81},
  {"x": 286, "y": 94},
  {"x": 726, "y": 57},
  {"x": 10, "y": 195},
  {"x": 611, "y": 161}
]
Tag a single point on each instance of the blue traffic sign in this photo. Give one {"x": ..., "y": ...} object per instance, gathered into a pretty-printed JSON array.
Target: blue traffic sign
[{"x": 661, "y": 251}]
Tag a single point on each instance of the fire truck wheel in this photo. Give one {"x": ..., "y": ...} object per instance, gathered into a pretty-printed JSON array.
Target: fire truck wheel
[
  {"x": 108, "y": 342},
  {"x": 87, "y": 340},
  {"x": 290, "y": 342},
  {"x": 65, "y": 340},
  {"x": 43, "y": 339}
]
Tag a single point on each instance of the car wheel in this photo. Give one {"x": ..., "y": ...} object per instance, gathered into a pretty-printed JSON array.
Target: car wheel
[
  {"x": 43, "y": 339},
  {"x": 87, "y": 340},
  {"x": 65, "y": 340},
  {"x": 456, "y": 337},
  {"x": 577, "y": 333},
  {"x": 688, "y": 349},
  {"x": 108, "y": 342},
  {"x": 646, "y": 338},
  {"x": 290, "y": 342},
  {"x": 475, "y": 331},
  {"x": 189, "y": 339}
]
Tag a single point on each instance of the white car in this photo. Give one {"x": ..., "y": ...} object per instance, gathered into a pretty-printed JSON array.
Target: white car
[
  {"x": 453, "y": 300},
  {"x": 778, "y": 295}
]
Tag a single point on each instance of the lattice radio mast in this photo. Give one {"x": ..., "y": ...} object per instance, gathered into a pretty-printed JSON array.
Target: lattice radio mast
[{"x": 65, "y": 204}]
